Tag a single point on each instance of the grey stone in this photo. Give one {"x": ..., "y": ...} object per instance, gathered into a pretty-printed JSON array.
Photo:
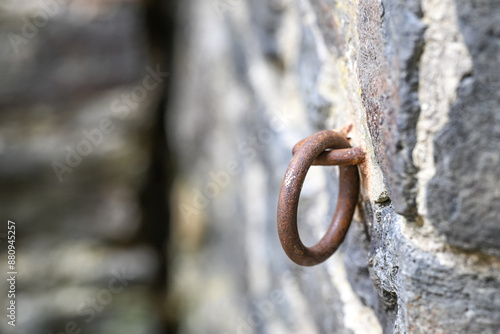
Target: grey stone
[
  {"x": 432, "y": 289},
  {"x": 391, "y": 42},
  {"x": 463, "y": 196},
  {"x": 344, "y": 62}
]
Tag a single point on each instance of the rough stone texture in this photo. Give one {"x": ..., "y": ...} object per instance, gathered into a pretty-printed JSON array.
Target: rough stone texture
[
  {"x": 463, "y": 197},
  {"x": 388, "y": 74},
  {"x": 417, "y": 80},
  {"x": 250, "y": 109},
  {"x": 431, "y": 283}
]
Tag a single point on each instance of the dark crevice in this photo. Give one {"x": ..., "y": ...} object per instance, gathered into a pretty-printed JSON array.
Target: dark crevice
[{"x": 155, "y": 228}]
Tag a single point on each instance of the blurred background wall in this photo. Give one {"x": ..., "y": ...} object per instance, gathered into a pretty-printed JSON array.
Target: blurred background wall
[
  {"x": 143, "y": 146},
  {"x": 84, "y": 165}
]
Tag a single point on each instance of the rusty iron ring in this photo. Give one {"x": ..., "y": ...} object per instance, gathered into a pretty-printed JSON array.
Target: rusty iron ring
[{"x": 311, "y": 151}]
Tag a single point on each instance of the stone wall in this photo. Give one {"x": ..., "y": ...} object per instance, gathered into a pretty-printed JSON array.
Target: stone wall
[
  {"x": 81, "y": 167},
  {"x": 419, "y": 82},
  {"x": 98, "y": 115}
]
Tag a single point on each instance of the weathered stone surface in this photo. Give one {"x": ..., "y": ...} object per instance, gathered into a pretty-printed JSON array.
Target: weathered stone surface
[
  {"x": 430, "y": 283},
  {"x": 356, "y": 258},
  {"x": 390, "y": 45},
  {"x": 260, "y": 112},
  {"x": 463, "y": 197},
  {"x": 404, "y": 73},
  {"x": 419, "y": 82}
]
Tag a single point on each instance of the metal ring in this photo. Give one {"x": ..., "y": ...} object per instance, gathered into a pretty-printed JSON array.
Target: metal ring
[{"x": 307, "y": 152}]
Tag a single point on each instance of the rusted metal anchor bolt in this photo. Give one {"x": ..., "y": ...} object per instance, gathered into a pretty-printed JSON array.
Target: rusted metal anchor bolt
[{"x": 311, "y": 151}]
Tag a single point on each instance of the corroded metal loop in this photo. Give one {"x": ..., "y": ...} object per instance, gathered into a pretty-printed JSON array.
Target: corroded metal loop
[
  {"x": 311, "y": 151},
  {"x": 339, "y": 157}
]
